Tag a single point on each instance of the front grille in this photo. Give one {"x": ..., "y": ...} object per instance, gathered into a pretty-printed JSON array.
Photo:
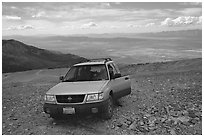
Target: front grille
[{"x": 70, "y": 98}]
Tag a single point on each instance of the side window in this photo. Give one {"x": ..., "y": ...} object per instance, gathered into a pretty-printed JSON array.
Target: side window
[{"x": 79, "y": 72}]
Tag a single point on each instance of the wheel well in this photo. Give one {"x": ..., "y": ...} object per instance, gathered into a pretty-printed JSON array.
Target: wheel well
[{"x": 111, "y": 93}]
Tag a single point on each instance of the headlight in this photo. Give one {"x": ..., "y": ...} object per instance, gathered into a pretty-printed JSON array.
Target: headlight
[
  {"x": 94, "y": 97},
  {"x": 100, "y": 96},
  {"x": 50, "y": 98}
]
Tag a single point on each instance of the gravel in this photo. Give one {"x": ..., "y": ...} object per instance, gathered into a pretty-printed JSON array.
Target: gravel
[{"x": 161, "y": 103}]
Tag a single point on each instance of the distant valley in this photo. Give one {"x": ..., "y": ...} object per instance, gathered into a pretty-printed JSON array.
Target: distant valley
[{"x": 125, "y": 48}]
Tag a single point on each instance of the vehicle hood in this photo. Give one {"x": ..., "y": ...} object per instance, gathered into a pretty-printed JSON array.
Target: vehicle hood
[{"x": 85, "y": 87}]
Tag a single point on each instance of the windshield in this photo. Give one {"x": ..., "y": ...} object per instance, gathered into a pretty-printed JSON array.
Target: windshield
[{"x": 86, "y": 73}]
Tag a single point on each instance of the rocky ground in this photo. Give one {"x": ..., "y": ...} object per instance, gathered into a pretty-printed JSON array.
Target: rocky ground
[{"x": 164, "y": 101}]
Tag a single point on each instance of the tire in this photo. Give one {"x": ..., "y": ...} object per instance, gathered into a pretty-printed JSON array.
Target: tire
[{"x": 108, "y": 113}]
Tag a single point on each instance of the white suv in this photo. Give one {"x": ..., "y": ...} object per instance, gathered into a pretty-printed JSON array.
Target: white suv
[{"x": 88, "y": 87}]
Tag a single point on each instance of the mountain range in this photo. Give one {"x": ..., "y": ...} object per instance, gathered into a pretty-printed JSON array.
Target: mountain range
[{"x": 17, "y": 56}]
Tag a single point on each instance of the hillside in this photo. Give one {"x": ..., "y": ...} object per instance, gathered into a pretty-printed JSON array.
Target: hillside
[
  {"x": 166, "y": 99},
  {"x": 162, "y": 67},
  {"x": 17, "y": 56}
]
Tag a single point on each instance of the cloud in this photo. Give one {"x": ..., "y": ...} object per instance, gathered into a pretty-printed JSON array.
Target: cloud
[
  {"x": 89, "y": 25},
  {"x": 98, "y": 17},
  {"x": 104, "y": 12},
  {"x": 21, "y": 27},
  {"x": 13, "y": 7},
  {"x": 199, "y": 20},
  {"x": 192, "y": 3},
  {"x": 40, "y": 14},
  {"x": 69, "y": 26},
  {"x": 114, "y": 27},
  {"x": 167, "y": 22},
  {"x": 140, "y": 26},
  {"x": 117, "y": 3},
  {"x": 182, "y": 20},
  {"x": 150, "y": 24},
  {"x": 12, "y": 17},
  {"x": 105, "y": 5},
  {"x": 134, "y": 26},
  {"x": 190, "y": 12}
]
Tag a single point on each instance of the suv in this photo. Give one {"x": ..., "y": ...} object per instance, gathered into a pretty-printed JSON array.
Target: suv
[{"x": 88, "y": 87}]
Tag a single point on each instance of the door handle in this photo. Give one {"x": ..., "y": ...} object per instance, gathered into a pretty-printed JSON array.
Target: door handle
[{"x": 126, "y": 78}]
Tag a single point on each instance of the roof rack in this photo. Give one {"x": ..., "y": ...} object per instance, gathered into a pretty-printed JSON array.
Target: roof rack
[{"x": 100, "y": 59}]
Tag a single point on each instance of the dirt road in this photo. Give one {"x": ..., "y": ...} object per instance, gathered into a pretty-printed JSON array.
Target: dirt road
[{"x": 160, "y": 103}]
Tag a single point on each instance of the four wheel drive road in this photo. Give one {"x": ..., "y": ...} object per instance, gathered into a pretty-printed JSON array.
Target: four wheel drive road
[{"x": 164, "y": 100}]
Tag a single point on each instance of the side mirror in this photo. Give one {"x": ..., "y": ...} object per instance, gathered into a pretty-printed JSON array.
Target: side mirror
[
  {"x": 61, "y": 78},
  {"x": 117, "y": 75}
]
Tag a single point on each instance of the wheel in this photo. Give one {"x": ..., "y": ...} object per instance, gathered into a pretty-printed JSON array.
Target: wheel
[{"x": 108, "y": 113}]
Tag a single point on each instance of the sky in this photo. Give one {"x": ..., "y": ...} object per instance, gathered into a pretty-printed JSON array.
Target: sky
[{"x": 68, "y": 18}]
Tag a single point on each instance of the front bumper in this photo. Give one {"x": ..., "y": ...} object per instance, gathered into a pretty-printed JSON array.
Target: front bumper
[{"x": 96, "y": 107}]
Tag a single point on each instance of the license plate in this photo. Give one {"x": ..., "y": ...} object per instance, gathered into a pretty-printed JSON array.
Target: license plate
[{"x": 69, "y": 110}]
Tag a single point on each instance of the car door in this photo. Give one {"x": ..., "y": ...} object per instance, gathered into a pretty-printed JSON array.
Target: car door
[{"x": 121, "y": 85}]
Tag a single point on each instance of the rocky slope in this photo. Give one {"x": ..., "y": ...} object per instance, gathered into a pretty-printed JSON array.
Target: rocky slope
[{"x": 166, "y": 99}]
